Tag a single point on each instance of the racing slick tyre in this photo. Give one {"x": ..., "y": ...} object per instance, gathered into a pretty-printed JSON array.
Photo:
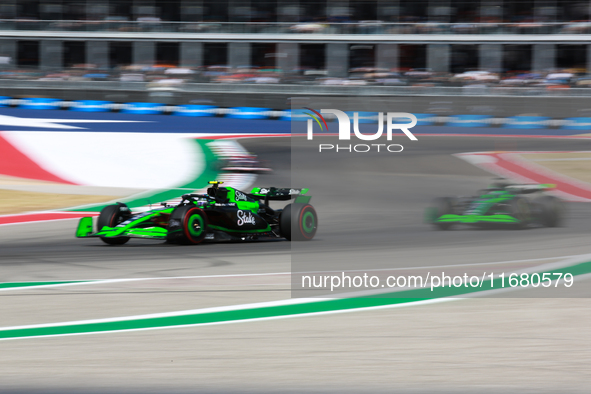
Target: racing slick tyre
[
  {"x": 111, "y": 216},
  {"x": 551, "y": 211},
  {"x": 306, "y": 223},
  {"x": 187, "y": 225},
  {"x": 520, "y": 209},
  {"x": 442, "y": 206}
]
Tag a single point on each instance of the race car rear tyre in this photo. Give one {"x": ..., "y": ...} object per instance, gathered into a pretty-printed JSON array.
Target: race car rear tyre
[
  {"x": 442, "y": 206},
  {"x": 187, "y": 225},
  {"x": 298, "y": 222},
  {"x": 111, "y": 216},
  {"x": 551, "y": 211},
  {"x": 520, "y": 209}
]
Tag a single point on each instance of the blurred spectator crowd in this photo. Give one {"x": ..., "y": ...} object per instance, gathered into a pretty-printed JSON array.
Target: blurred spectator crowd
[
  {"x": 300, "y": 16},
  {"x": 168, "y": 76},
  {"x": 154, "y": 24}
]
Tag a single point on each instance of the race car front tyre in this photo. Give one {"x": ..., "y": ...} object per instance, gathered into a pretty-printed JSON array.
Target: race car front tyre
[
  {"x": 298, "y": 222},
  {"x": 551, "y": 211},
  {"x": 187, "y": 225},
  {"x": 442, "y": 206},
  {"x": 520, "y": 209},
  {"x": 111, "y": 216}
]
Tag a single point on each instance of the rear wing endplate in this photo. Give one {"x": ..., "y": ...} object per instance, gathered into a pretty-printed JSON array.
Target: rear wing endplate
[
  {"x": 276, "y": 194},
  {"x": 528, "y": 188}
]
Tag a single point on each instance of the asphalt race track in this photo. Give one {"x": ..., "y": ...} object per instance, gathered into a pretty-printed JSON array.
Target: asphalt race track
[
  {"x": 286, "y": 354},
  {"x": 398, "y": 187}
]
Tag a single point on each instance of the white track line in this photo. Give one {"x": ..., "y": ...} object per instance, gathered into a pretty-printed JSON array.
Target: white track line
[{"x": 80, "y": 282}]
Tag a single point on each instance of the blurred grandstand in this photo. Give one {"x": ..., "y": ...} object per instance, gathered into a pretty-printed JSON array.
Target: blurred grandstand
[{"x": 168, "y": 44}]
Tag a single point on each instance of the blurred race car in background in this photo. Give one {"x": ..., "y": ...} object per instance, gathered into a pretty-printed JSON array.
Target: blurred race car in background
[
  {"x": 502, "y": 203},
  {"x": 223, "y": 214},
  {"x": 233, "y": 157}
]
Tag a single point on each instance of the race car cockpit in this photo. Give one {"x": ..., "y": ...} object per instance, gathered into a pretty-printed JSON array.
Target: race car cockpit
[{"x": 219, "y": 194}]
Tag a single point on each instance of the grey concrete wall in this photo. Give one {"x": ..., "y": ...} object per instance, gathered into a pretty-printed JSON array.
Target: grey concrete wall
[
  {"x": 544, "y": 56},
  {"x": 143, "y": 8},
  {"x": 337, "y": 60},
  {"x": 389, "y": 10},
  {"x": 97, "y": 52},
  {"x": 191, "y": 10},
  {"x": 438, "y": 57},
  {"x": 490, "y": 57},
  {"x": 8, "y": 8},
  {"x": 288, "y": 11},
  {"x": 288, "y": 56},
  {"x": 144, "y": 52},
  {"x": 8, "y": 49},
  {"x": 387, "y": 56},
  {"x": 191, "y": 54},
  {"x": 239, "y": 10},
  {"x": 239, "y": 53},
  {"x": 51, "y": 54}
]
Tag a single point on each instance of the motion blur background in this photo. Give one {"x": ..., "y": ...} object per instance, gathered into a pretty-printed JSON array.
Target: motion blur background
[
  {"x": 528, "y": 60},
  {"x": 232, "y": 53},
  {"x": 497, "y": 46}
]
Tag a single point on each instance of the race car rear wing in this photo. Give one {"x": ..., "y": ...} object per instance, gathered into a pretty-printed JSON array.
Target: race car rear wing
[
  {"x": 278, "y": 194},
  {"x": 526, "y": 189}
]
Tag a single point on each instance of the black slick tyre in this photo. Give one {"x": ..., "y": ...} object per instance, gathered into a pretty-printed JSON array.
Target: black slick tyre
[
  {"x": 111, "y": 216},
  {"x": 442, "y": 206},
  {"x": 298, "y": 222},
  {"x": 551, "y": 211},
  {"x": 187, "y": 225},
  {"x": 520, "y": 209}
]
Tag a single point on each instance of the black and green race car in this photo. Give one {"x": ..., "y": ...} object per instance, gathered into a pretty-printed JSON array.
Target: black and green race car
[
  {"x": 224, "y": 213},
  {"x": 502, "y": 205}
]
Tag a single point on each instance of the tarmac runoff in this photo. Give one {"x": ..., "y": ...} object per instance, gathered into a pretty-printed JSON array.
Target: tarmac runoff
[
  {"x": 574, "y": 165},
  {"x": 568, "y": 172},
  {"x": 577, "y": 266}
]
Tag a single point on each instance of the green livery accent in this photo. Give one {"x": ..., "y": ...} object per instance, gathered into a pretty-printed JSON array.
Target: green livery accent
[
  {"x": 477, "y": 218},
  {"x": 303, "y": 199},
  {"x": 128, "y": 230},
  {"x": 150, "y": 232},
  {"x": 491, "y": 199},
  {"x": 257, "y": 191},
  {"x": 245, "y": 205},
  {"x": 84, "y": 227}
]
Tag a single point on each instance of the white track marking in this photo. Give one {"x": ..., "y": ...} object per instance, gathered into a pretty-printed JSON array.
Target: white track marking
[
  {"x": 267, "y": 304},
  {"x": 296, "y": 301},
  {"x": 278, "y": 303},
  {"x": 80, "y": 282},
  {"x": 414, "y": 303},
  {"x": 6, "y": 120}
]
